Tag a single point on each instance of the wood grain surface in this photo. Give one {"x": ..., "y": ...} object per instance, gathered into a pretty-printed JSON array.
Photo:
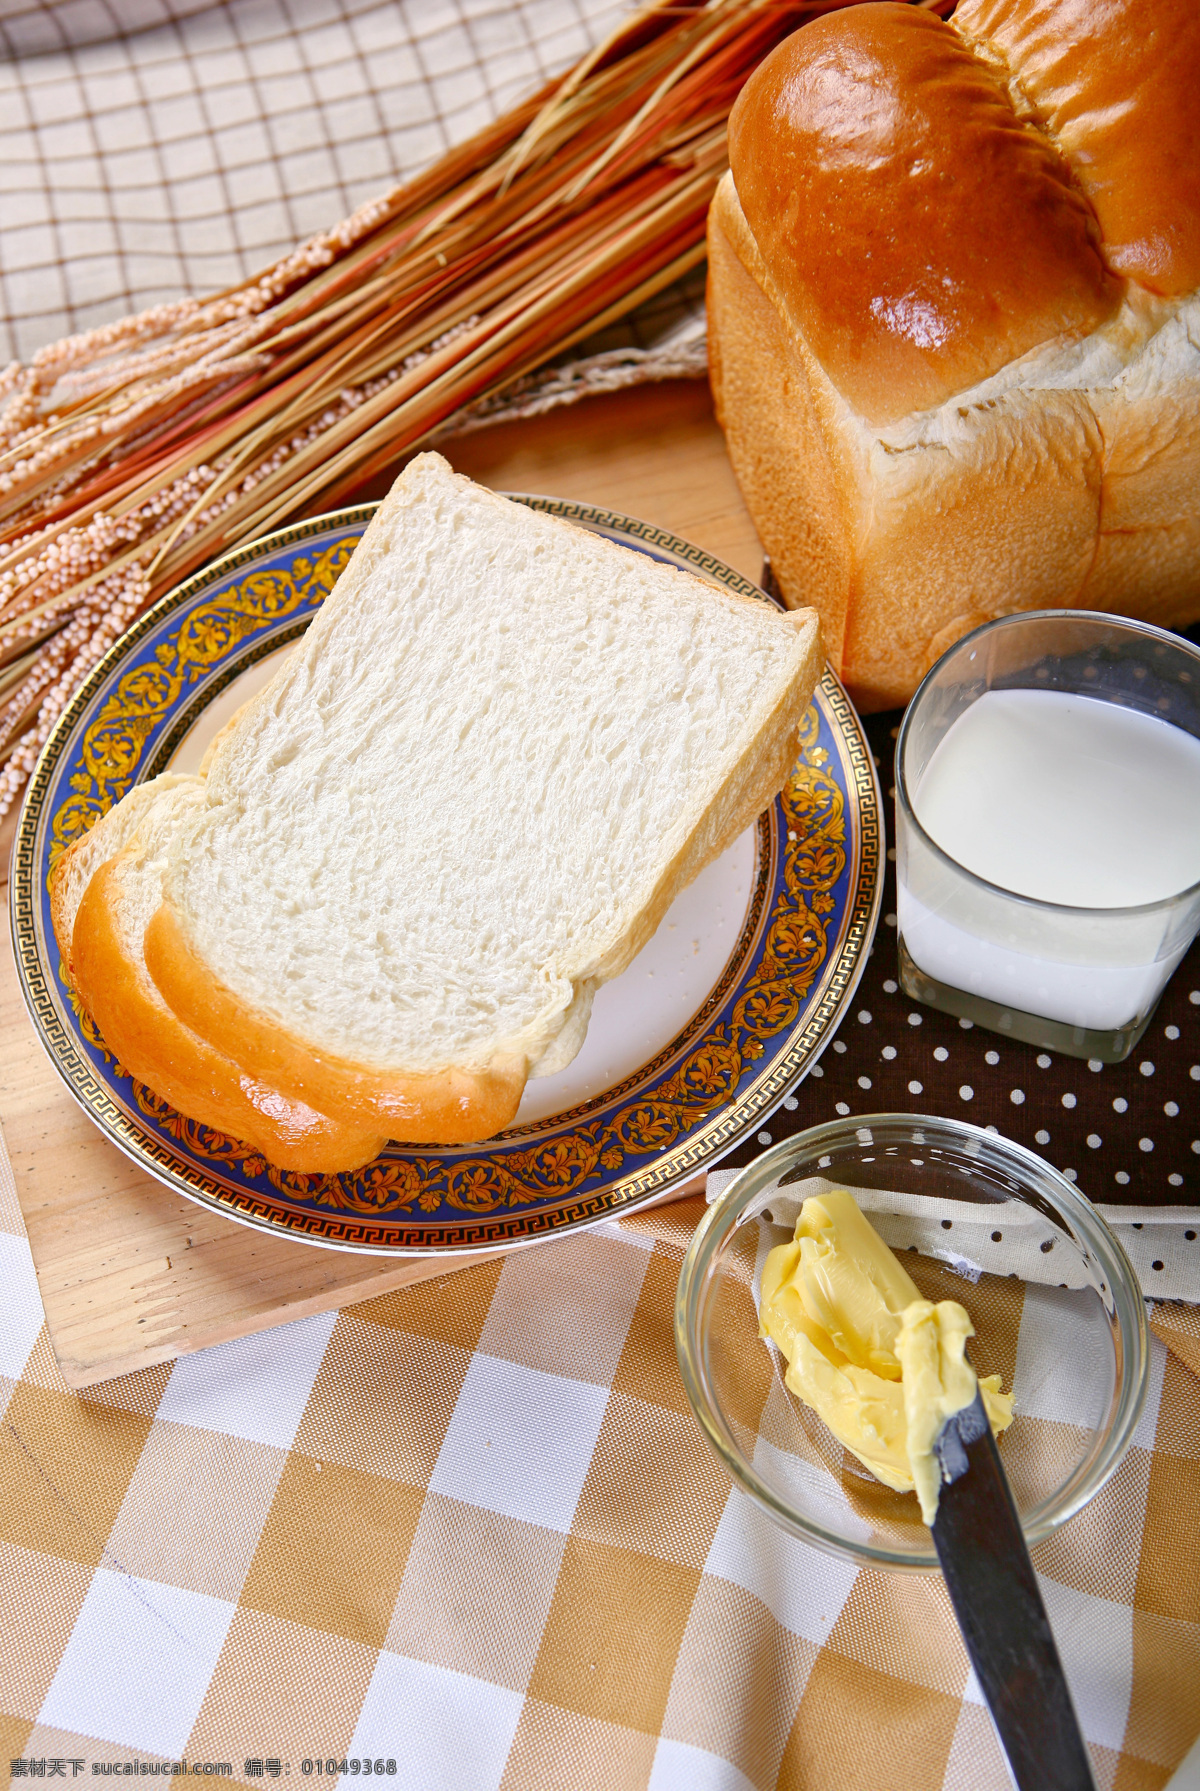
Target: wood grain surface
[{"x": 130, "y": 1272}]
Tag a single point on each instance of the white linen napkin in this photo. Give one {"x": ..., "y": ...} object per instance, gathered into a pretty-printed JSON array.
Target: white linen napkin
[{"x": 1162, "y": 1243}]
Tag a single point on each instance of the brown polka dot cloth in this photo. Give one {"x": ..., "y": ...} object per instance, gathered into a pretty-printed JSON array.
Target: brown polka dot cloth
[{"x": 1126, "y": 1133}]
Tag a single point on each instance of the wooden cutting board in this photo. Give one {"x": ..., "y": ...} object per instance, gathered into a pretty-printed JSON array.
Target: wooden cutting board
[{"x": 132, "y": 1274}]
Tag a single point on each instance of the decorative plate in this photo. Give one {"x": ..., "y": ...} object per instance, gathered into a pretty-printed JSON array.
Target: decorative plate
[{"x": 723, "y": 1013}]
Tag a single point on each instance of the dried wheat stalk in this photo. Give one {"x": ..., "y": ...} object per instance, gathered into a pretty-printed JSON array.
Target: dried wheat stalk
[{"x": 132, "y": 455}]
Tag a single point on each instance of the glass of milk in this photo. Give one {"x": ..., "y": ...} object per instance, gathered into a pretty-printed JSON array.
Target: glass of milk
[{"x": 1048, "y": 828}]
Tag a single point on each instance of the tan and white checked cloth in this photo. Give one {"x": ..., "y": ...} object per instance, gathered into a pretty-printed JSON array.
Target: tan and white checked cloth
[
  {"x": 472, "y": 1529},
  {"x": 153, "y": 148}
]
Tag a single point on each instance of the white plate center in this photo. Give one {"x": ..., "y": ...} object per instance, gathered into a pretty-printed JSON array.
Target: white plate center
[{"x": 641, "y": 1011}]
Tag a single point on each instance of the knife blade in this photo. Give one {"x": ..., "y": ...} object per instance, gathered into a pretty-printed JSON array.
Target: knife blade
[{"x": 996, "y": 1599}]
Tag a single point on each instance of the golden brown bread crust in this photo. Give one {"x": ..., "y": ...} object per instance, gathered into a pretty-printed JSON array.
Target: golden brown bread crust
[
  {"x": 1117, "y": 88},
  {"x": 919, "y": 234},
  {"x": 449, "y": 1107},
  {"x": 200, "y": 1082},
  {"x": 1036, "y": 498},
  {"x": 1068, "y": 478},
  {"x": 107, "y": 835}
]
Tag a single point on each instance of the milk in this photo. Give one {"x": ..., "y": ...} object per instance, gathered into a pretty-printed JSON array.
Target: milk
[
  {"x": 1063, "y": 799},
  {"x": 1066, "y": 799}
]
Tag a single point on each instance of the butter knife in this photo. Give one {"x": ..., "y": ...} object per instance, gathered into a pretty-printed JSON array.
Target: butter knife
[{"x": 996, "y": 1599}]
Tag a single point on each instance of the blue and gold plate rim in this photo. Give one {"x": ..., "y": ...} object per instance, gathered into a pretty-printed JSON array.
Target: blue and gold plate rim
[{"x": 809, "y": 928}]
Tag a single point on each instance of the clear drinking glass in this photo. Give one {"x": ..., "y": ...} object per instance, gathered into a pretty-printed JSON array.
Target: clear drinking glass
[{"x": 1084, "y": 981}]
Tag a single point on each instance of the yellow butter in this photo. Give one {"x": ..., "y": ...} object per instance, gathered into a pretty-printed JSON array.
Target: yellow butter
[
  {"x": 939, "y": 1381},
  {"x": 879, "y": 1364}
]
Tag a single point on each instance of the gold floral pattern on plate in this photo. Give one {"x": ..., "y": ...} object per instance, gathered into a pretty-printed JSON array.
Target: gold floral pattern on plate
[
  {"x": 803, "y": 944},
  {"x": 113, "y": 744}
]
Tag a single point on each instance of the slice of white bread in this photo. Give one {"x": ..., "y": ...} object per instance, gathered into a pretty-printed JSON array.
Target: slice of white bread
[
  {"x": 104, "y": 889},
  {"x": 466, "y": 800}
]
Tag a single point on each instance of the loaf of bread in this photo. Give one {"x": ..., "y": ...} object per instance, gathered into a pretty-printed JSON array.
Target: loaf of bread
[
  {"x": 465, "y": 801},
  {"x": 954, "y": 324}
]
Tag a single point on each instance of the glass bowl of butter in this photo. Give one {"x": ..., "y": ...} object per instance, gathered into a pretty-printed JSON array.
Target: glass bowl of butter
[{"x": 818, "y": 1264}]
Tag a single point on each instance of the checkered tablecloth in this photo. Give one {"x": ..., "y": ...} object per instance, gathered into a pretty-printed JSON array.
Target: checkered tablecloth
[
  {"x": 153, "y": 148},
  {"x": 472, "y": 1529}
]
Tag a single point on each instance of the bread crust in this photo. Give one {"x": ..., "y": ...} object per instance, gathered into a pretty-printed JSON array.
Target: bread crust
[
  {"x": 1031, "y": 438},
  {"x": 778, "y": 412},
  {"x": 197, "y": 1080},
  {"x": 1016, "y": 495},
  {"x": 108, "y": 834},
  {"x": 920, "y": 234},
  {"x": 60, "y": 877},
  {"x": 1116, "y": 88},
  {"x": 448, "y": 1107}
]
